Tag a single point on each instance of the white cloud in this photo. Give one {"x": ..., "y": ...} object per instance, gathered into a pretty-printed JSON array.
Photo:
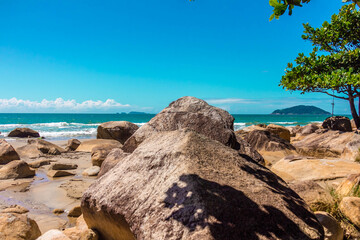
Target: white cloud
[{"x": 58, "y": 105}]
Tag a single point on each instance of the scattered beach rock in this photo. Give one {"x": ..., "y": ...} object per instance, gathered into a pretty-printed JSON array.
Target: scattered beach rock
[
  {"x": 15, "y": 226},
  {"x": 332, "y": 228},
  {"x": 280, "y": 131},
  {"x": 72, "y": 144},
  {"x": 350, "y": 207},
  {"x": 118, "y": 130},
  {"x": 330, "y": 144},
  {"x": 337, "y": 123},
  {"x": 15, "y": 209},
  {"x": 58, "y": 211},
  {"x": 350, "y": 186},
  {"x": 309, "y": 129},
  {"x": 311, "y": 192},
  {"x": 98, "y": 154},
  {"x": 54, "y": 234},
  {"x": 303, "y": 169},
  {"x": 16, "y": 169},
  {"x": 81, "y": 231},
  {"x": 116, "y": 155},
  {"x": 192, "y": 113},
  {"x": 39, "y": 163},
  {"x": 75, "y": 212},
  {"x": 91, "y": 171},
  {"x": 24, "y": 133},
  {"x": 7, "y": 152},
  {"x": 75, "y": 187},
  {"x": 184, "y": 185},
  {"x": 63, "y": 166},
  {"x": 38, "y": 147},
  {"x": 59, "y": 173},
  {"x": 88, "y": 145}
]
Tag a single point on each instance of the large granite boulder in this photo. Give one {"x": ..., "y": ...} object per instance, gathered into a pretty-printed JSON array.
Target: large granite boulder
[
  {"x": 247, "y": 151},
  {"x": 330, "y": 144},
  {"x": 116, "y": 155},
  {"x": 16, "y": 169},
  {"x": 350, "y": 207},
  {"x": 118, "y": 130},
  {"x": 23, "y": 133},
  {"x": 15, "y": 226},
  {"x": 192, "y": 113},
  {"x": 183, "y": 185},
  {"x": 280, "y": 131},
  {"x": 89, "y": 145},
  {"x": 7, "y": 152},
  {"x": 337, "y": 123},
  {"x": 38, "y": 147}
]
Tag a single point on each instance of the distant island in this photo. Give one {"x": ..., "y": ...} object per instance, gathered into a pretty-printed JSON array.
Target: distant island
[{"x": 301, "y": 110}]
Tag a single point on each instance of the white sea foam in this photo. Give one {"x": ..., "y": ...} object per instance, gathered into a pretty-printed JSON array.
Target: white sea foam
[
  {"x": 283, "y": 122},
  {"x": 64, "y": 134}
]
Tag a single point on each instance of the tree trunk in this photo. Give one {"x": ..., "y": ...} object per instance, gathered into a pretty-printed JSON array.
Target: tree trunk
[{"x": 353, "y": 112}]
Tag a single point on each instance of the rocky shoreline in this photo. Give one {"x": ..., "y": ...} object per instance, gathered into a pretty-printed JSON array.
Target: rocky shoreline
[{"x": 186, "y": 174}]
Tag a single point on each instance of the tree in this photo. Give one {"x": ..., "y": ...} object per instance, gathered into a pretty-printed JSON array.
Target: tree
[
  {"x": 280, "y": 6},
  {"x": 337, "y": 72}
]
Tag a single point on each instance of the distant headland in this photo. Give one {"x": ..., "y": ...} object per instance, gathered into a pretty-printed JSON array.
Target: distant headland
[{"x": 301, "y": 110}]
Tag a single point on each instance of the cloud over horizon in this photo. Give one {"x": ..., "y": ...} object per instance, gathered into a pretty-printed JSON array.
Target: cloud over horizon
[{"x": 59, "y": 105}]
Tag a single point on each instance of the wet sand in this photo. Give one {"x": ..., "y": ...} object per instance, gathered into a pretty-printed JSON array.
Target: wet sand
[{"x": 42, "y": 194}]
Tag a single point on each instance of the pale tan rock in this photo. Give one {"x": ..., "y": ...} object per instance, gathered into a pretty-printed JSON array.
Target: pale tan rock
[
  {"x": 59, "y": 173},
  {"x": 88, "y": 145},
  {"x": 15, "y": 209},
  {"x": 280, "y": 131},
  {"x": 309, "y": 129},
  {"x": 350, "y": 186},
  {"x": 116, "y": 155},
  {"x": 333, "y": 230},
  {"x": 39, "y": 163},
  {"x": 314, "y": 169},
  {"x": 63, "y": 166},
  {"x": 330, "y": 144},
  {"x": 39, "y": 147},
  {"x": 81, "y": 231},
  {"x": 311, "y": 192},
  {"x": 54, "y": 234},
  {"x": 16, "y": 169},
  {"x": 98, "y": 154},
  {"x": 75, "y": 212},
  {"x": 7, "y": 152},
  {"x": 350, "y": 207},
  {"x": 117, "y": 130},
  {"x": 91, "y": 171},
  {"x": 191, "y": 113},
  {"x": 75, "y": 187},
  {"x": 15, "y": 226},
  {"x": 183, "y": 185}
]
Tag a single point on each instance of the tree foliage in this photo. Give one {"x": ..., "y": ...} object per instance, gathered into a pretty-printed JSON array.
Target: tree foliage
[
  {"x": 281, "y": 6},
  {"x": 333, "y": 67}
]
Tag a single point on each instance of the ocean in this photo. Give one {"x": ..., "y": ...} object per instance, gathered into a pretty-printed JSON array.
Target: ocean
[{"x": 58, "y": 126}]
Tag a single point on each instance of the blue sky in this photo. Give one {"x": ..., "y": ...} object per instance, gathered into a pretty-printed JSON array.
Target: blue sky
[{"x": 114, "y": 56}]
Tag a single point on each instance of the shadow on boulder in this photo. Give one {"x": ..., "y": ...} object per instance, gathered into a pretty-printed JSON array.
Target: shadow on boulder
[{"x": 231, "y": 214}]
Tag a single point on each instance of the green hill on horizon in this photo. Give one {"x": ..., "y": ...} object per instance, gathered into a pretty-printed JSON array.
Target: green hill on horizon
[{"x": 301, "y": 110}]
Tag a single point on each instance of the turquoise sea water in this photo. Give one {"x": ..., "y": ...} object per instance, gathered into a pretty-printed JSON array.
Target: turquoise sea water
[{"x": 64, "y": 126}]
